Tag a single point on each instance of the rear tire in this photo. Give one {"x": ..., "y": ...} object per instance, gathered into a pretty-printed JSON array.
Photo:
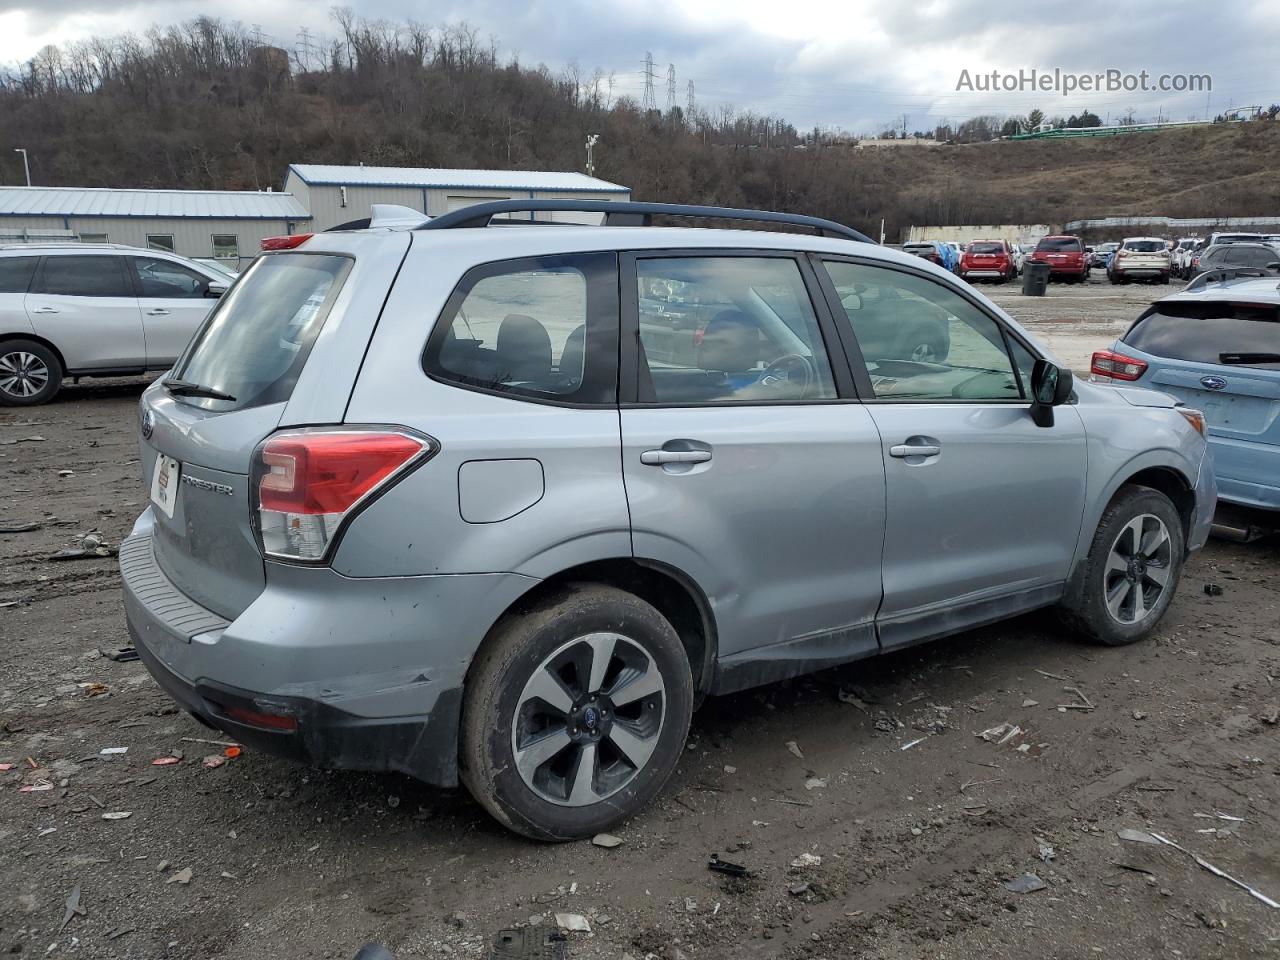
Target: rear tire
[
  {"x": 30, "y": 373},
  {"x": 591, "y": 675},
  {"x": 1125, "y": 584}
]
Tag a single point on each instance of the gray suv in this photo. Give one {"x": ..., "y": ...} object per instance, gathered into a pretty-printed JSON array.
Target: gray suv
[
  {"x": 94, "y": 310},
  {"x": 500, "y": 503}
]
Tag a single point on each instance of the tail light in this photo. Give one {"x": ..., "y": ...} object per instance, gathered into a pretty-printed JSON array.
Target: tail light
[
  {"x": 285, "y": 243},
  {"x": 1109, "y": 365},
  {"x": 307, "y": 484}
]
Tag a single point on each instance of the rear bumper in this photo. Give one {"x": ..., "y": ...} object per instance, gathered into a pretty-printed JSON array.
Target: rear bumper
[
  {"x": 1243, "y": 469},
  {"x": 371, "y": 670},
  {"x": 984, "y": 272}
]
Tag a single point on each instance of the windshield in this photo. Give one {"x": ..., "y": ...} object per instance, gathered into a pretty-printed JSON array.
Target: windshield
[
  {"x": 1059, "y": 244},
  {"x": 1227, "y": 333},
  {"x": 255, "y": 344}
]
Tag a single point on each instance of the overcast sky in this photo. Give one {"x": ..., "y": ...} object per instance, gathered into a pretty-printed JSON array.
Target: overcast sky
[{"x": 857, "y": 64}]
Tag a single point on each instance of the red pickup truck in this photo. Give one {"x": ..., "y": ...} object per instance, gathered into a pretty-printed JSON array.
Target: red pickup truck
[
  {"x": 1065, "y": 256},
  {"x": 988, "y": 260}
]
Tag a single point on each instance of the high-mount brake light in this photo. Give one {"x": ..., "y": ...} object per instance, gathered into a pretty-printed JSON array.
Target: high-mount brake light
[
  {"x": 306, "y": 483},
  {"x": 290, "y": 242}
]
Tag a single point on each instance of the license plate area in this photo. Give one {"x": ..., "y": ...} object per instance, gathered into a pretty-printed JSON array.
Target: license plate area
[{"x": 164, "y": 484}]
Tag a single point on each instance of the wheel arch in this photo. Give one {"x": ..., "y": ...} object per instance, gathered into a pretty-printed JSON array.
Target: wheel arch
[
  {"x": 36, "y": 338},
  {"x": 670, "y": 591}
]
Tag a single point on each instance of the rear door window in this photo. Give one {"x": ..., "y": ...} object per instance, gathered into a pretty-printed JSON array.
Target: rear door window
[
  {"x": 1230, "y": 334},
  {"x": 102, "y": 276},
  {"x": 255, "y": 344},
  {"x": 538, "y": 328},
  {"x": 16, "y": 273}
]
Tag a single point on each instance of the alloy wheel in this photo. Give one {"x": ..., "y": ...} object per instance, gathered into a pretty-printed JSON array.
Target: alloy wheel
[
  {"x": 22, "y": 374},
  {"x": 923, "y": 353},
  {"x": 1138, "y": 569},
  {"x": 588, "y": 719}
]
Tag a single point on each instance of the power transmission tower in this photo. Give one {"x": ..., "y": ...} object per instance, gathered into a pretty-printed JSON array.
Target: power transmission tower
[
  {"x": 305, "y": 49},
  {"x": 257, "y": 36},
  {"x": 671, "y": 87},
  {"x": 648, "y": 102},
  {"x": 692, "y": 104}
]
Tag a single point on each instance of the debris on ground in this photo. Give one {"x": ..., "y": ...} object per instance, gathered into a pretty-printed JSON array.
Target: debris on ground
[
  {"x": 21, "y": 527},
  {"x": 724, "y": 866},
  {"x": 1045, "y": 849},
  {"x": 807, "y": 860},
  {"x": 166, "y": 761},
  {"x": 798, "y": 889},
  {"x": 606, "y": 840},
  {"x": 73, "y": 909},
  {"x": 908, "y": 746},
  {"x": 1027, "y": 883},
  {"x": 119, "y": 654},
  {"x": 1084, "y": 704},
  {"x": 1030, "y": 703},
  {"x": 815, "y": 783},
  {"x": 573, "y": 922},
  {"x": 1000, "y": 734},
  {"x": 213, "y": 761},
  {"x": 94, "y": 689},
  {"x": 1270, "y": 714},
  {"x": 112, "y": 751},
  {"x": 845, "y": 695},
  {"x": 10, "y": 443},
  {"x": 1213, "y": 589},
  {"x": 1136, "y": 836},
  {"x": 528, "y": 943},
  {"x": 795, "y": 749},
  {"x": 183, "y": 877},
  {"x": 1256, "y": 894},
  {"x": 234, "y": 751},
  {"x": 117, "y": 815},
  {"x": 80, "y": 553}
]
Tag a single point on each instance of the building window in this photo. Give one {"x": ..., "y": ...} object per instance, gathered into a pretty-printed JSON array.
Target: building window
[
  {"x": 226, "y": 246},
  {"x": 160, "y": 241},
  {"x": 93, "y": 238}
]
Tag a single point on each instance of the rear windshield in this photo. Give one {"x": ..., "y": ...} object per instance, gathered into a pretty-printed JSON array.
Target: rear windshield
[
  {"x": 1145, "y": 246},
  {"x": 255, "y": 344},
  {"x": 986, "y": 248},
  {"x": 1231, "y": 334},
  {"x": 1242, "y": 255},
  {"x": 1069, "y": 244}
]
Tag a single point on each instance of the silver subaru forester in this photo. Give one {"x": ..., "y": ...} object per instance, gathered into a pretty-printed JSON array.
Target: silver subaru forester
[{"x": 497, "y": 501}]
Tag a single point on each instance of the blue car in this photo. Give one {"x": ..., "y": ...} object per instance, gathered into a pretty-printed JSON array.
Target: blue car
[
  {"x": 935, "y": 252},
  {"x": 1215, "y": 346}
]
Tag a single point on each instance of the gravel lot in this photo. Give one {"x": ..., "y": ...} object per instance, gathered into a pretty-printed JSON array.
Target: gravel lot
[{"x": 917, "y": 823}]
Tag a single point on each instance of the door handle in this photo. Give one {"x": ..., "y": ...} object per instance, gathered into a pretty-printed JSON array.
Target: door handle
[
  {"x": 158, "y": 312},
  {"x": 903, "y": 450},
  {"x": 656, "y": 458},
  {"x": 45, "y": 310}
]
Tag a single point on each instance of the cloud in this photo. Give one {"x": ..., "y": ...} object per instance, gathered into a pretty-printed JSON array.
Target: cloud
[{"x": 859, "y": 64}]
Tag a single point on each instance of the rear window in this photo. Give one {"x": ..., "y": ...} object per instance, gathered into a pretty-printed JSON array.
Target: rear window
[
  {"x": 15, "y": 273},
  {"x": 919, "y": 248},
  {"x": 1146, "y": 246},
  {"x": 1060, "y": 244},
  {"x": 1231, "y": 334},
  {"x": 256, "y": 342},
  {"x": 986, "y": 248}
]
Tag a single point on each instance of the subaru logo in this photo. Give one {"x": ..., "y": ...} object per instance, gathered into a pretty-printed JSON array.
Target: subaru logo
[
  {"x": 148, "y": 425},
  {"x": 590, "y": 717},
  {"x": 1213, "y": 383}
]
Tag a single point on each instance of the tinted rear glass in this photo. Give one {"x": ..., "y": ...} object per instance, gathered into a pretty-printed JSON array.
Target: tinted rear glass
[
  {"x": 256, "y": 342},
  {"x": 1146, "y": 246},
  {"x": 986, "y": 248},
  {"x": 1221, "y": 333},
  {"x": 84, "y": 277},
  {"x": 15, "y": 273},
  {"x": 1059, "y": 244}
]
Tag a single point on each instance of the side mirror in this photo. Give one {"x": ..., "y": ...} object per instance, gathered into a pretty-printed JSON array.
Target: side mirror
[
  {"x": 1050, "y": 387},
  {"x": 215, "y": 289}
]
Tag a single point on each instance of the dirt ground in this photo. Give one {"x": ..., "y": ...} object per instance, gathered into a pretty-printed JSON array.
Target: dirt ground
[{"x": 914, "y": 822}]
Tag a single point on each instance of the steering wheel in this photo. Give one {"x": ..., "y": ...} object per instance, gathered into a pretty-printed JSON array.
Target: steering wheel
[{"x": 789, "y": 371}]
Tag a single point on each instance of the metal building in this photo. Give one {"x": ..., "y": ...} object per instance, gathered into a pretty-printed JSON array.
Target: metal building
[
  {"x": 338, "y": 194},
  {"x": 223, "y": 224}
]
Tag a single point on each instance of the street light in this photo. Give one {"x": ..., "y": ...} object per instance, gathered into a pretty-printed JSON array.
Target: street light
[
  {"x": 592, "y": 140},
  {"x": 25, "y": 165}
]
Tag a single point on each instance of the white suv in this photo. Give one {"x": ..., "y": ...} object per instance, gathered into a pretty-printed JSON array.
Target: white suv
[{"x": 79, "y": 310}]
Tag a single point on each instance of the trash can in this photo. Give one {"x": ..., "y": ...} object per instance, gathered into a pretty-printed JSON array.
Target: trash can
[{"x": 1035, "y": 279}]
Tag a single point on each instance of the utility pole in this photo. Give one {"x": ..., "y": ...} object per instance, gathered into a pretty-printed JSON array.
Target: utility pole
[
  {"x": 671, "y": 87},
  {"x": 592, "y": 140},
  {"x": 26, "y": 166},
  {"x": 648, "y": 102}
]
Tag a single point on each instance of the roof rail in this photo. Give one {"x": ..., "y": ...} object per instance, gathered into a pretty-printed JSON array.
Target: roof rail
[
  {"x": 628, "y": 213},
  {"x": 1223, "y": 274}
]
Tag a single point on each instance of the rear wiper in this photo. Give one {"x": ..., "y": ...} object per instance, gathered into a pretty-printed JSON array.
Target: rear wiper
[
  {"x": 1248, "y": 358},
  {"x": 185, "y": 388}
]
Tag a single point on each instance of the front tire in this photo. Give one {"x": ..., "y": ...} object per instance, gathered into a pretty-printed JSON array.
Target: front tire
[
  {"x": 1127, "y": 581},
  {"x": 30, "y": 373},
  {"x": 576, "y": 713}
]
